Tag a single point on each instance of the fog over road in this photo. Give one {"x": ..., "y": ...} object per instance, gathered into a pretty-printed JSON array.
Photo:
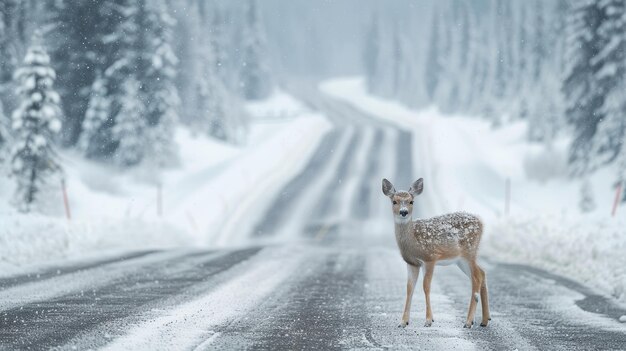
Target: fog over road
[{"x": 322, "y": 272}]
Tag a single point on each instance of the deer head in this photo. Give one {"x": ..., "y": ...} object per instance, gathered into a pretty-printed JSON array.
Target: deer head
[{"x": 402, "y": 201}]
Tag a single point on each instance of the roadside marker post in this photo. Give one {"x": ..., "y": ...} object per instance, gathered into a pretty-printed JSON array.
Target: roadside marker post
[
  {"x": 66, "y": 202},
  {"x": 618, "y": 195}
]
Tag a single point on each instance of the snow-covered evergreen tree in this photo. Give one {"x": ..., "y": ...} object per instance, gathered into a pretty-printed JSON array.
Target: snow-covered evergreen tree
[
  {"x": 583, "y": 89},
  {"x": 382, "y": 60},
  {"x": 434, "y": 64},
  {"x": 159, "y": 90},
  {"x": 612, "y": 54},
  {"x": 6, "y": 50},
  {"x": 141, "y": 84},
  {"x": 98, "y": 115},
  {"x": 209, "y": 107},
  {"x": 371, "y": 53},
  {"x": 129, "y": 130},
  {"x": 80, "y": 47},
  {"x": 255, "y": 77},
  {"x": 220, "y": 44},
  {"x": 34, "y": 124}
]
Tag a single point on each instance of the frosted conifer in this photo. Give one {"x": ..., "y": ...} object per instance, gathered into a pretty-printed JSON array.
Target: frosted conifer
[{"x": 35, "y": 122}]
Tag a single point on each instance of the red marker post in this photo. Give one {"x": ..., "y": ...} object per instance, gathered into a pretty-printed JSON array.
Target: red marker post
[
  {"x": 66, "y": 202},
  {"x": 618, "y": 195}
]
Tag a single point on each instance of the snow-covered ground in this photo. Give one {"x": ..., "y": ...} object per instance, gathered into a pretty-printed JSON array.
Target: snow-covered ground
[
  {"x": 208, "y": 195},
  {"x": 466, "y": 164}
]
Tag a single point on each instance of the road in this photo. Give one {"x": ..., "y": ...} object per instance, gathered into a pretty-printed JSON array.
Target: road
[{"x": 338, "y": 283}]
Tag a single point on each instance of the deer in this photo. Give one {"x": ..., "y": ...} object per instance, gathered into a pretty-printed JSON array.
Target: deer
[{"x": 425, "y": 243}]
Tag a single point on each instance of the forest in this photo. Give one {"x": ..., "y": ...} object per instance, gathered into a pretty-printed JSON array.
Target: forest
[
  {"x": 111, "y": 79},
  {"x": 559, "y": 65}
]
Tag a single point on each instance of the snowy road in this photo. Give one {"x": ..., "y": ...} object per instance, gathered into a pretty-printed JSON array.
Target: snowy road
[{"x": 336, "y": 281}]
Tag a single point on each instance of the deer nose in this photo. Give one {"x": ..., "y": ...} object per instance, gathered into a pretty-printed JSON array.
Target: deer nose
[{"x": 403, "y": 213}]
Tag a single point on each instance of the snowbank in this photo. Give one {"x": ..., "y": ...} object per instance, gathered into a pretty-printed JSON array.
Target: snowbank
[
  {"x": 590, "y": 251},
  {"x": 466, "y": 164},
  {"x": 279, "y": 105},
  {"x": 28, "y": 239},
  {"x": 214, "y": 191}
]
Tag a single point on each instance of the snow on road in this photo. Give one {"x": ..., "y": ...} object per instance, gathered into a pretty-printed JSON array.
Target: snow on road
[
  {"x": 465, "y": 163},
  {"x": 334, "y": 280},
  {"x": 190, "y": 324}
]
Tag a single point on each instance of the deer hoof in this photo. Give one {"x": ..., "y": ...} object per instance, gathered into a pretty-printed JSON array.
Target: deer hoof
[
  {"x": 483, "y": 324},
  {"x": 403, "y": 324},
  {"x": 429, "y": 323},
  {"x": 468, "y": 325}
]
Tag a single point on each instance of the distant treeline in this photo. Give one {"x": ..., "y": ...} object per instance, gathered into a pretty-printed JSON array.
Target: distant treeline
[{"x": 559, "y": 64}]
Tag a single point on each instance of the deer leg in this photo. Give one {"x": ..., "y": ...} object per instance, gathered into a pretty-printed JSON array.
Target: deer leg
[
  {"x": 428, "y": 278},
  {"x": 412, "y": 275},
  {"x": 476, "y": 284},
  {"x": 484, "y": 299}
]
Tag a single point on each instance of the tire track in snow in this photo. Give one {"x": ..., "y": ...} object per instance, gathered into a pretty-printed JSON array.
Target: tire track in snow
[
  {"x": 195, "y": 323},
  {"x": 362, "y": 201},
  {"x": 330, "y": 202},
  {"x": 82, "y": 279},
  {"x": 278, "y": 212},
  {"x": 56, "y": 321},
  {"x": 324, "y": 310},
  {"x": 56, "y": 271},
  {"x": 333, "y": 206}
]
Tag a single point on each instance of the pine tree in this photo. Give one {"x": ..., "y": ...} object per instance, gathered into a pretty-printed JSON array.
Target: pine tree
[
  {"x": 612, "y": 128},
  {"x": 127, "y": 67},
  {"x": 434, "y": 66},
  {"x": 371, "y": 53},
  {"x": 210, "y": 108},
  {"x": 479, "y": 67},
  {"x": 130, "y": 126},
  {"x": 254, "y": 75},
  {"x": 219, "y": 43},
  {"x": 94, "y": 131},
  {"x": 34, "y": 123},
  {"x": 7, "y": 59},
  {"x": 584, "y": 93},
  {"x": 80, "y": 49},
  {"x": 408, "y": 86},
  {"x": 500, "y": 76},
  {"x": 159, "y": 90},
  {"x": 16, "y": 19}
]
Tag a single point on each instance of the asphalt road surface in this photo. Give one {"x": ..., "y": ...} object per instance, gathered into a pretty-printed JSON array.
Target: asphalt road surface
[{"x": 331, "y": 278}]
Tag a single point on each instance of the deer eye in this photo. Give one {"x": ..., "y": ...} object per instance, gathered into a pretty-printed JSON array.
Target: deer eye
[
  {"x": 395, "y": 202},
  {"x": 411, "y": 202}
]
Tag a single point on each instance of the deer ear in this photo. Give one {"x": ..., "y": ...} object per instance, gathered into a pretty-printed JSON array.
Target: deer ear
[
  {"x": 388, "y": 188},
  {"x": 417, "y": 187}
]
